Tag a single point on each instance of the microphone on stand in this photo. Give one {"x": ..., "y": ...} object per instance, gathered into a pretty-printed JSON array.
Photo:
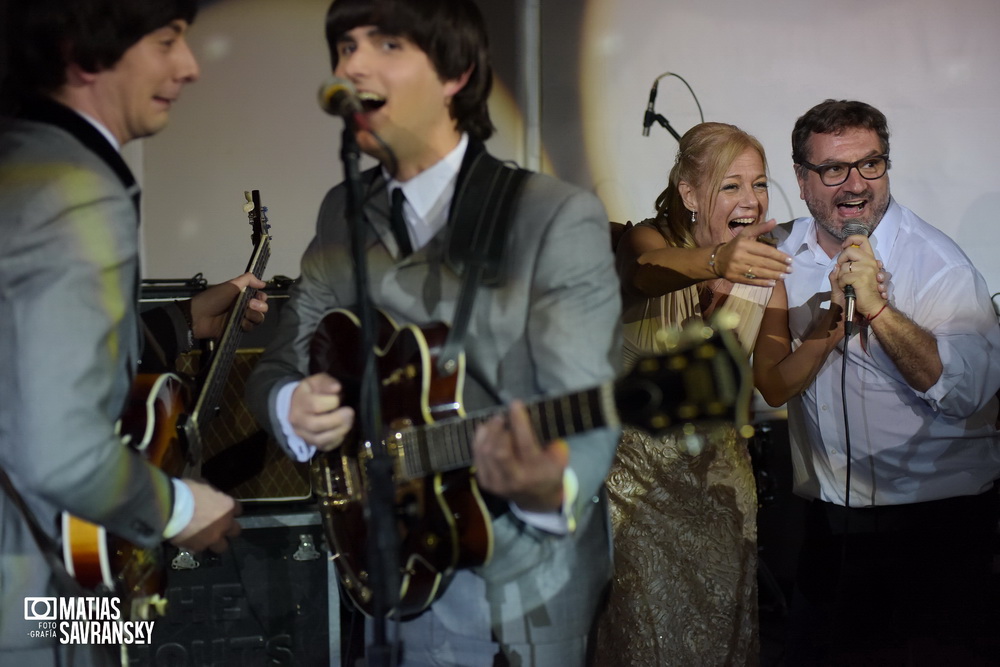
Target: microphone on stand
[
  {"x": 849, "y": 296},
  {"x": 650, "y": 116},
  {"x": 338, "y": 97}
]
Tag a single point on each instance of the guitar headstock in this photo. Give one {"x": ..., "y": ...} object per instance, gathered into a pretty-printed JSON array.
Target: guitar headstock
[
  {"x": 257, "y": 215},
  {"x": 703, "y": 374}
]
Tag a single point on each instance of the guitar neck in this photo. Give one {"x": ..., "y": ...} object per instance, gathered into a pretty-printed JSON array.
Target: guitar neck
[
  {"x": 447, "y": 445},
  {"x": 225, "y": 351}
]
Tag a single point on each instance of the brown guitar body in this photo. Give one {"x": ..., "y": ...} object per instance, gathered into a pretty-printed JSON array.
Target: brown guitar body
[
  {"x": 443, "y": 523},
  {"x": 100, "y": 560}
]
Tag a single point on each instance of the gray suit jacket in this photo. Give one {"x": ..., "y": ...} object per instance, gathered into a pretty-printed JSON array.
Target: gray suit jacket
[
  {"x": 68, "y": 348},
  {"x": 552, "y": 327}
]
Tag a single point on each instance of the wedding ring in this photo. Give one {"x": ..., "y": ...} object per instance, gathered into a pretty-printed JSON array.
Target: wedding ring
[{"x": 749, "y": 275}]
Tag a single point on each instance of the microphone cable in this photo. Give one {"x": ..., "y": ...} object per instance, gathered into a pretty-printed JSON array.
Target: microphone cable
[
  {"x": 839, "y": 592},
  {"x": 701, "y": 114},
  {"x": 849, "y": 310},
  {"x": 847, "y": 422},
  {"x": 656, "y": 83}
]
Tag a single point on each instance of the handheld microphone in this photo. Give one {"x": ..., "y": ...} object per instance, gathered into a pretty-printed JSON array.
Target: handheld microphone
[
  {"x": 339, "y": 97},
  {"x": 849, "y": 296},
  {"x": 650, "y": 116}
]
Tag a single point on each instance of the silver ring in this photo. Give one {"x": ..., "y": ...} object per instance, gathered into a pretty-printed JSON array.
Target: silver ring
[
  {"x": 850, "y": 269},
  {"x": 749, "y": 275}
]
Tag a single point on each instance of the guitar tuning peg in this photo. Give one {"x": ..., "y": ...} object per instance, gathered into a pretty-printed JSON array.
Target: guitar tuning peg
[
  {"x": 725, "y": 320},
  {"x": 696, "y": 331},
  {"x": 246, "y": 193},
  {"x": 248, "y": 207},
  {"x": 668, "y": 338},
  {"x": 691, "y": 440}
]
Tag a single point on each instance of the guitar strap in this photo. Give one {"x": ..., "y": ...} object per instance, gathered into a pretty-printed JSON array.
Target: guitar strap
[
  {"x": 479, "y": 220},
  {"x": 46, "y": 545}
]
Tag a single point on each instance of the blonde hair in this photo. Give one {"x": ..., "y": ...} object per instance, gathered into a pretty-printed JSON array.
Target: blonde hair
[{"x": 704, "y": 156}]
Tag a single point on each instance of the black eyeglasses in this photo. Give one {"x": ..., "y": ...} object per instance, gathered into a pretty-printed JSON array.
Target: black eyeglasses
[{"x": 834, "y": 173}]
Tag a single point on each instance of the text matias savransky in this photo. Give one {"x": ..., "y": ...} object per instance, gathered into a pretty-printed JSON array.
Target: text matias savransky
[{"x": 85, "y": 620}]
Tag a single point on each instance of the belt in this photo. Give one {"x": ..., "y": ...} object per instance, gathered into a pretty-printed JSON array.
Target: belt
[{"x": 947, "y": 512}]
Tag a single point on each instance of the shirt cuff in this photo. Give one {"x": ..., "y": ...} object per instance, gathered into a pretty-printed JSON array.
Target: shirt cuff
[
  {"x": 296, "y": 445},
  {"x": 183, "y": 510},
  {"x": 557, "y": 523}
]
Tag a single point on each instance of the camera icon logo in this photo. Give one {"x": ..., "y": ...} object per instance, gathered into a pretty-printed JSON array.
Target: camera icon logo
[{"x": 40, "y": 609}]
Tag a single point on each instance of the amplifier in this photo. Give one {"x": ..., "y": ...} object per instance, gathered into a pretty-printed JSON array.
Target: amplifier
[
  {"x": 265, "y": 601},
  {"x": 241, "y": 458}
]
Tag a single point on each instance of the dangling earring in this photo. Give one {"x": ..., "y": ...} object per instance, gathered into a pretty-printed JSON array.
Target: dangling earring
[{"x": 694, "y": 217}]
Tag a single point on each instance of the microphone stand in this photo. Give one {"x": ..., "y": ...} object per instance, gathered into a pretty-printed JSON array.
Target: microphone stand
[
  {"x": 383, "y": 550},
  {"x": 663, "y": 123}
]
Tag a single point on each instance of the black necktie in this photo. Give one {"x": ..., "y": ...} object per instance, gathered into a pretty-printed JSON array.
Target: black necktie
[{"x": 399, "y": 224}]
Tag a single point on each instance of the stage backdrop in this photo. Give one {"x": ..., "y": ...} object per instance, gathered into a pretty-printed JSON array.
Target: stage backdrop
[{"x": 252, "y": 120}]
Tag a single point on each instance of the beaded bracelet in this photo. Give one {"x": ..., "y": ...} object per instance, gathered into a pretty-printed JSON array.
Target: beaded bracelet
[
  {"x": 878, "y": 313},
  {"x": 711, "y": 260}
]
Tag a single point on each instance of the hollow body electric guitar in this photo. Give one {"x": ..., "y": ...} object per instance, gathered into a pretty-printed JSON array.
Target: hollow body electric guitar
[
  {"x": 162, "y": 421},
  {"x": 443, "y": 522}
]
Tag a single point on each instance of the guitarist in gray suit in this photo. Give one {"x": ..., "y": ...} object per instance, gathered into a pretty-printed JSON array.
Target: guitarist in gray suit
[
  {"x": 547, "y": 326},
  {"x": 85, "y": 77}
]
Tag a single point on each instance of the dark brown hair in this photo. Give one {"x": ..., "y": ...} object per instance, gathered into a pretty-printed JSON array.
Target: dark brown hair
[
  {"x": 833, "y": 117},
  {"x": 44, "y": 36},
  {"x": 451, "y": 32}
]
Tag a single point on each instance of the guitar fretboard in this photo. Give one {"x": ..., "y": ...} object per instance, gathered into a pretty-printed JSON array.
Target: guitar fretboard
[
  {"x": 447, "y": 445},
  {"x": 222, "y": 360}
]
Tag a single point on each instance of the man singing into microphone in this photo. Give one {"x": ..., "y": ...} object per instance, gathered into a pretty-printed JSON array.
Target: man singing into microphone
[
  {"x": 549, "y": 325},
  {"x": 899, "y": 532}
]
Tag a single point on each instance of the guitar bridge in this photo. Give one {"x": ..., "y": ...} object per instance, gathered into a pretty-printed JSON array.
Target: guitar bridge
[{"x": 334, "y": 481}]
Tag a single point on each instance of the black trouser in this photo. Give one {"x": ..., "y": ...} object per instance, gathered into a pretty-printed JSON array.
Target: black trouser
[{"x": 875, "y": 578}]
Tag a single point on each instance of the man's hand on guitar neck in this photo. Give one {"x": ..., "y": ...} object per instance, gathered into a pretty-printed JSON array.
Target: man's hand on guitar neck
[
  {"x": 511, "y": 463},
  {"x": 316, "y": 414},
  {"x": 213, "y": 522},
  {"x": 210, "y": 309}
]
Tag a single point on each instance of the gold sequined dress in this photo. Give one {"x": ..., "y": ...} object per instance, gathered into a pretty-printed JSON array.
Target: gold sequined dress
[{"x": 684, "y": 592}]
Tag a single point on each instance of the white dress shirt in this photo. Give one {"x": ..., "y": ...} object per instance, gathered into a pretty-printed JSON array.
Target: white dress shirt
[
  {"x": 907, "y": 446},
  {"x": 429, "y": 194}
]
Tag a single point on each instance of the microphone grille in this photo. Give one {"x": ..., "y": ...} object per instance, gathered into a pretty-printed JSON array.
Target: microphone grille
[
  {"x": 852, "y": 228},
  {"x": 336, "y": 95}
]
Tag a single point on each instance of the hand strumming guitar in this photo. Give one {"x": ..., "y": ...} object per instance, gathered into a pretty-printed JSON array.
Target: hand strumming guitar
[
  {"x": 511, "y": 463},
  {"x": 213, "y": 521},
  {"x": 316, "y": 413}
]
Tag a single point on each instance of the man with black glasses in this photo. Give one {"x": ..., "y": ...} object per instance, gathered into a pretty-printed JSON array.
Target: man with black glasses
[{"x": 897, "y": 448}]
